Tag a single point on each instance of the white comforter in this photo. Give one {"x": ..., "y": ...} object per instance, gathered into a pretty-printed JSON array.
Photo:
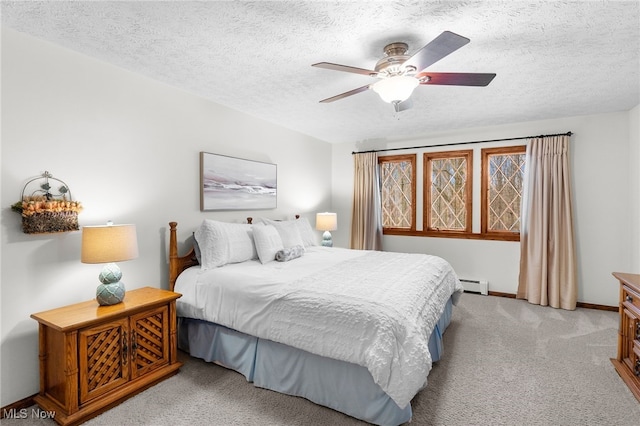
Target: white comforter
[{"x": 375, "y": 309}]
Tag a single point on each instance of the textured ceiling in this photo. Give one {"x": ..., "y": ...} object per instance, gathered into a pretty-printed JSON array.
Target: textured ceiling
[{"x": 552, "y": 58}]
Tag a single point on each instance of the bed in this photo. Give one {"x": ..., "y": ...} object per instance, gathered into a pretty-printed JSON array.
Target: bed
[{"x": 356, "y": 331}]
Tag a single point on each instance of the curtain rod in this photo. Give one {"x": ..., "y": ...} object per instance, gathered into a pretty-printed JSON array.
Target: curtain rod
[{"x": 463, "y": 143}]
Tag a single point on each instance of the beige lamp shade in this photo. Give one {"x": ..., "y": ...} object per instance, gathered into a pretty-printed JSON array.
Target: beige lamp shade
[
  {"x": 109, "y": 243},
  {"x": 326, "y": 221}
]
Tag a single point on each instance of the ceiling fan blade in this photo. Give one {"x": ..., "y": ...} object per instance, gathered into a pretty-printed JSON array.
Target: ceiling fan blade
[
  {"x": 345, "y": 68},
  {"x": 443, "y": 45},
  {"x": 456, "y": 78},
  {"x": 345, "y": 94}
]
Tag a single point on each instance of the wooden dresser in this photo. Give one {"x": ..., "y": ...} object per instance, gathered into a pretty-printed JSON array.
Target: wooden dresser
[
  {"x": 93, "y": 357},
  {"x": 627, "y": 363}
]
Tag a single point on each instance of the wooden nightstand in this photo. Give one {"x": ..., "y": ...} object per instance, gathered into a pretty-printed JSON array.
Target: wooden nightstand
[
  {"x": 93, "y": 357},
  {"x": 627, "y": 363}
]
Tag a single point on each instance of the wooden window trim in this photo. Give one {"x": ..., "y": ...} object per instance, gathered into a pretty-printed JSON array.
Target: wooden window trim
[
  {"x": 484, "y": 193},
  {"x": 396, "y": 159},
  {"x": 426, "y": 189},
  {"x": 459, "y": 235}
]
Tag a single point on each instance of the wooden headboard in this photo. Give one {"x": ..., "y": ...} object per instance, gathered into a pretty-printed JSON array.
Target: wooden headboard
[{"x": 177, "y": 263}]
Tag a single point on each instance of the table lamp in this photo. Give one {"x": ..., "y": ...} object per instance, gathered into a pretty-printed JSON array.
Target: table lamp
[
  {"x": 326, "y": 222},
  {"x": 109, "y": 244}
]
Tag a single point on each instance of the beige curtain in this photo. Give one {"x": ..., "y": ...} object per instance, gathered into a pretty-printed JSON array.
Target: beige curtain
[
  {"x": 366, "y": 219},
  {"x": 548, "y": 274}
]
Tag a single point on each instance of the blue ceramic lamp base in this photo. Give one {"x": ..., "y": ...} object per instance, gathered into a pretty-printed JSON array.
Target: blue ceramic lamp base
[
  {"x": 111, "y": 290},
  {"x": 326, "y": 239},
  {"x": 110, "y": 294}
]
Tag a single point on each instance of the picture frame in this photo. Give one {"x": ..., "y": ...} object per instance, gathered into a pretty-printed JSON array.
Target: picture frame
[{"x": 230, "y": 183}]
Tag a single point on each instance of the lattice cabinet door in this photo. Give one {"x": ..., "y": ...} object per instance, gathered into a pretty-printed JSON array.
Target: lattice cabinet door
[
  {"x": 103, "y": 358},
  {"x": 630, "y": 329},
  {"x": 149, "y": 341}
]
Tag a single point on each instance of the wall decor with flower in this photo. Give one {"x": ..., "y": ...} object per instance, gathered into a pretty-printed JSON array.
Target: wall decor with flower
[{"x": 45, "y": 209}]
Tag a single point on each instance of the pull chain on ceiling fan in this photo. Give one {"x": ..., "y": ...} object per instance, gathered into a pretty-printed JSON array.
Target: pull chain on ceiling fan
[{"x": 400, "y": 73}]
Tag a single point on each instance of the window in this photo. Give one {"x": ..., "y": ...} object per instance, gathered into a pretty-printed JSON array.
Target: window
[
  {"x": 398, "y": 192},
  {"x": 501, "y": 191},
  {"x": 446, "y": 206},
  {"x": 447, "y": 191}
]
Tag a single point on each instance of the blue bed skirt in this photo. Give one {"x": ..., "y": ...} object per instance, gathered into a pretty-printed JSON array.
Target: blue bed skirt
[{"x": 340, "y": 385}]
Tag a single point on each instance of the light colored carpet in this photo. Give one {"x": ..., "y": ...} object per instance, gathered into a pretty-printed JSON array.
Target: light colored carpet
[{"x": 506, "y": 362}]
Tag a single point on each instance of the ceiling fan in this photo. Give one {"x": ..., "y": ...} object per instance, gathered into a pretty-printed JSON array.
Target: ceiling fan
[{"x": 400, "y": 73}]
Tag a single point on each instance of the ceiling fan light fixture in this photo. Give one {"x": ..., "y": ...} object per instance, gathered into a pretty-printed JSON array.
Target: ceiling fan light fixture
[{"x": 396, "y": 88}]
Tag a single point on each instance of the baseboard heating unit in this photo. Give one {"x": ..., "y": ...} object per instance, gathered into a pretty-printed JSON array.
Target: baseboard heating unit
[{"x": 475, "y": 286}]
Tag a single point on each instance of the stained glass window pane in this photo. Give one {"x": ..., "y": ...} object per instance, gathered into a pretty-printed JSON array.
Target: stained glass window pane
[
  {"x": 506, "y": 175},
  {"x": 396, "y": 196},
  {"x": 448, "y": 193}
]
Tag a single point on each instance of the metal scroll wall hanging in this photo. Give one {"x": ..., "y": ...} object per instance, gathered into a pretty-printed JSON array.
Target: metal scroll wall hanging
[{"x": 46, "y": 206}]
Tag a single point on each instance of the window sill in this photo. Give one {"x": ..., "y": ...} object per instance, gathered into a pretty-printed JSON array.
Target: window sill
[{"x": 459, "y": 235}]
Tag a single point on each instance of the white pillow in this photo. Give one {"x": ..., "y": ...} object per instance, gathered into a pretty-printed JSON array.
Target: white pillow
[
  {"x": 221, "y": 243},
  {"x": 309, "y": 236},
  {"x": 289, "y": 231},
  {"x": 268, "y": 242}
]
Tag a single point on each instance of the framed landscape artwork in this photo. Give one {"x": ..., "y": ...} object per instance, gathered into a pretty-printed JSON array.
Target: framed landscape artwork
[{"x": 229, "y": 183}]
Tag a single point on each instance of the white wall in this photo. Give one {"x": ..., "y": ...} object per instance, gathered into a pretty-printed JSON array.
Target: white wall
[
  {"x": 634, "y": 187},
  {"x": 128, "y": 147},
  {"x": 602, "y": 153}
]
